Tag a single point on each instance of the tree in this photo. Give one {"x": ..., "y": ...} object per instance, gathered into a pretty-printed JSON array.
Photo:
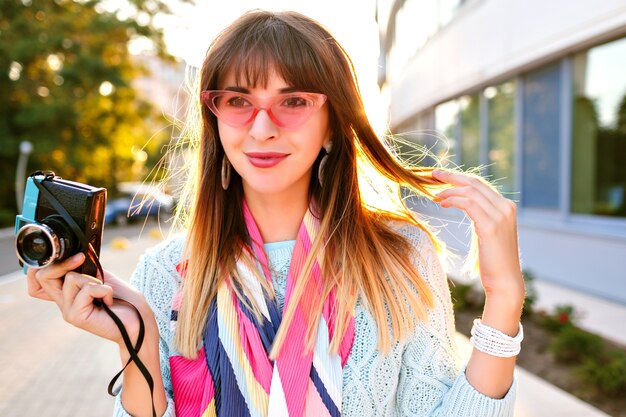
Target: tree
[{"x": 65, "y": 78}]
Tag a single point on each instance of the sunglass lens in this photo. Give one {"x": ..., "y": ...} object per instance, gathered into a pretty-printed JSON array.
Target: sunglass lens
[
  {"x": 293, "y": 110},
  {"x": 233, "y": 108}
]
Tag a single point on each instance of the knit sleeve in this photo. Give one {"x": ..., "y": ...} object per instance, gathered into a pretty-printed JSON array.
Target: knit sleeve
[
  {"x": 432, "y": 381},
  {"x": 156, "y": 277}
]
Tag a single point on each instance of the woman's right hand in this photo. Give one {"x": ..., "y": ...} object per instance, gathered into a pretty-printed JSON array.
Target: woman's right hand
[{"x": 75, "y": 293}]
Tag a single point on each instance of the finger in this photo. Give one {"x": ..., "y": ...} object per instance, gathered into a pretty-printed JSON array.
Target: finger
[
  {"x": 483, "y": 223},
  {"x": 34, "y": 289},
  {"x": 475, "y": 195},
  {"x": 82, "y": 306},
  {"x": 59, "y": 269},
  {"x": 499, "y": 208},
  {"x": 463, "y": 179},
  {"x": 50, "y": 277},
  {"x": 92, "y": 291},
  {"x": 121, "y": 288},
  {"x": 74, "y": 282}
]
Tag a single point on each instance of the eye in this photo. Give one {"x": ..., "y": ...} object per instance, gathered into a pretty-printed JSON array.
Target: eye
[
  {"x": 237, "y": 101},
  {"x": 295, "y": 101}
]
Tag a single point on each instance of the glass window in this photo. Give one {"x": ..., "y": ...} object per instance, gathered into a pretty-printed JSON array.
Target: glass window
[
  {"x": 501, "y": 136},
  {"x": 599, "y": 131},
  {"x": 469, "y": 108},
  {"x": 541, "y": 136},
  {"x": 446, "y": 126}
]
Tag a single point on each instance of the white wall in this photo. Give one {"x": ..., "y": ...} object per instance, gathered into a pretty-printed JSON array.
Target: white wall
[
  {"x": 490, "y": 41},
  {"x": 493, "y": 39},
  {"x": 596, "y": 265}
]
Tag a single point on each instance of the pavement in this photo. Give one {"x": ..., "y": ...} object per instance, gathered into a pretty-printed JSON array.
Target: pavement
[{"x": 48, "y": 365}]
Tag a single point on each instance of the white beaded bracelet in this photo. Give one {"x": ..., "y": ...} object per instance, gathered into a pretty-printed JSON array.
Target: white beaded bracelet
[{"x": 495, "y": 343}]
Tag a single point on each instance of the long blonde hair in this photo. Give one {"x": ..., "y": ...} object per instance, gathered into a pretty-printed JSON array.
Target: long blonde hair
[{"x": 363, "y": 254}]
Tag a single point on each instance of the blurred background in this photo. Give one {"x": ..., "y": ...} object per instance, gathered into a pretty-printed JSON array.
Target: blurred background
[
  {"x": 535, "y": 94},
  {"x": 530, "y": 94}
]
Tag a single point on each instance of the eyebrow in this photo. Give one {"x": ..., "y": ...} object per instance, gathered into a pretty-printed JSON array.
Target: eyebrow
[{"x": 244, "y": 90}]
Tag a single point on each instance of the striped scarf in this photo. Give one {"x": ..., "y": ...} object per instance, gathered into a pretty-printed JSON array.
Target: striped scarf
[{"x": 233, "y": 376}]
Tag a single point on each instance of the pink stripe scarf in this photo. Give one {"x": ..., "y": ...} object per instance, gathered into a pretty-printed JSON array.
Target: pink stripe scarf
[{"x": 233, "y": 375}]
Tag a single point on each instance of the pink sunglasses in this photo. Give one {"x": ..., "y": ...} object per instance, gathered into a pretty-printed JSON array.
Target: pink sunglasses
[{"x": 288, "y": 110}]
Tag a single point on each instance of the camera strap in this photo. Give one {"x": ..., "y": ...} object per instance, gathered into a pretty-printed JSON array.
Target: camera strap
[{"x": 90, "y": 252}]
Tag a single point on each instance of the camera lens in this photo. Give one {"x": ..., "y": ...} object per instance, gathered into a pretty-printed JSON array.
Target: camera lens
[
  {"x": 39, "y": 244},
  {"x": 36, "y": 246}
]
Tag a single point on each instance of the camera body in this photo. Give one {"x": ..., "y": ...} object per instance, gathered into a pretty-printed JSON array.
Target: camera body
[{"x": 43, "y": 236}]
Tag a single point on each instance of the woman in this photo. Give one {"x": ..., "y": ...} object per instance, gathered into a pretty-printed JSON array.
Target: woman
[{"x": 290, "y": 292}]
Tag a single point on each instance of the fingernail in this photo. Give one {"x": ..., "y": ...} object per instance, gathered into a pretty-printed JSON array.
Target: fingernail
[{"x": 79, "y": 256}]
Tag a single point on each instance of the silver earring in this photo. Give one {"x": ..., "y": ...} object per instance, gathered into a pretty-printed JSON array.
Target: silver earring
[
  {"x": 225, "y": 173},
  {"x": 320, "y": 172}
]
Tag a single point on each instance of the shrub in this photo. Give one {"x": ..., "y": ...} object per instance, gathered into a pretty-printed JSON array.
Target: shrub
[
  {"x": 531, "y": 292},
  {"x": 607, "y": 373},
  {"x": 573, "y": 345},
  {"x": 459, "y": 294},
  {"x": 563, "y": 316},
  {"x": 7, "y": 218}
]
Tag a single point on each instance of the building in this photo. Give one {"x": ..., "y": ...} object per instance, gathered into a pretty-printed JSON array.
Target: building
[
  {"x": 534, "y": 92},
  {"x": 163, "y": 85}
]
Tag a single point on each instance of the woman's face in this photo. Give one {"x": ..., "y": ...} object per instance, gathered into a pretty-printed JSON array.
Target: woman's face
[{"x": 273, "y": 161}]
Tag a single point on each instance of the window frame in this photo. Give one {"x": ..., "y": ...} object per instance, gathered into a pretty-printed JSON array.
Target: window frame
[{"x": 561, "y": 219}]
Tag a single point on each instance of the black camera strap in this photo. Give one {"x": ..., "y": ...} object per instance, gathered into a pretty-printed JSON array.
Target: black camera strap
[{"x": 90, "y": 252}]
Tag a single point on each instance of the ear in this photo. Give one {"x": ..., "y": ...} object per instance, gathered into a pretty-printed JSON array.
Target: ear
[{"x": 328, "y": 146}]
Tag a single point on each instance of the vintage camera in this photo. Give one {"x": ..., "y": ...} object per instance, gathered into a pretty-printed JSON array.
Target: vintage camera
[{"x": 43, "y": 234}]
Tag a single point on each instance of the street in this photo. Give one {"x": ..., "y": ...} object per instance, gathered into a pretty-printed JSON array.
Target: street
[{"x": 48, "y": 367}]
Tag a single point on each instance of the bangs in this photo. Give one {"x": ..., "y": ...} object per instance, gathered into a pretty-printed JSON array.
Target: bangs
[{"x": 273, "y": 45}]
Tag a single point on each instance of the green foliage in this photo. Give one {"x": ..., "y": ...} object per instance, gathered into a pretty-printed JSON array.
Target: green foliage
[
  {"x": 459, "y": 293},
  {"x": 470, "y": 131},
  {"x": 573, "y": 345},
  {"x": 597, "y": 366},
  {"x": 607, "y": 373},
  {"x": 55, "y": 59},
  {"x": 531, "y": 292},
  {"x": 7, "y": 217},
  {"x": 501, "y": 131},
  {"x": 563, "y": 316}
]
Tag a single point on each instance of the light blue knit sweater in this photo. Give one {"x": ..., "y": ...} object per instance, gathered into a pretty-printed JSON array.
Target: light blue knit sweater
[{"x": 419, "y": 377}]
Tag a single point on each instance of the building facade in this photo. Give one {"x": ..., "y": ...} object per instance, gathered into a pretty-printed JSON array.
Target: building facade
[
  {"x": 534, "y": 94},
  {"x": 163, "y": 85}
]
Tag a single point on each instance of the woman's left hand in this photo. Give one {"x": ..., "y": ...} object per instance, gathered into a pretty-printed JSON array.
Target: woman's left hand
[{"x": 494, "y": 219}]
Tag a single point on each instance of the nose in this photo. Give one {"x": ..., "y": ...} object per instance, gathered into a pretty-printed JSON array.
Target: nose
[{"x": 262, "y": 126}]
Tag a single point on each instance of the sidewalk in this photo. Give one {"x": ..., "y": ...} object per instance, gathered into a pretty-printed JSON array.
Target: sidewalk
[
  {"x": 605, "y": 318},
  {"x": 600, "y": 316},
  {"x": 44, "y": 354},
  {"x": 48, "y": 367},
  {"x": 538, "y": 398}
]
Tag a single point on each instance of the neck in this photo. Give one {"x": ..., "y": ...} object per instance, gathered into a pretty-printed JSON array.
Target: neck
[{"x": 278, "y": 217}]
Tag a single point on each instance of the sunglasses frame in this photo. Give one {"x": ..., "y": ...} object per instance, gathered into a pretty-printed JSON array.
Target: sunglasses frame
[{"x": 209, "y": 97}]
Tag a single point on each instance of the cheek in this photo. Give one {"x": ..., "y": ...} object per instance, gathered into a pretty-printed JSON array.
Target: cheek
[
  {"x": 228, "y": 137},
  {"x": 324, "y": 125}
]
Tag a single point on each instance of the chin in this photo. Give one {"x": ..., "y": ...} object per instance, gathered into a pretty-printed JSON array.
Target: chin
[{"x": 267, "y": 186}]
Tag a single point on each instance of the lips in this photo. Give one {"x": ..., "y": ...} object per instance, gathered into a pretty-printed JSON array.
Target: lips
[{"x": 265, "y": 159}]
